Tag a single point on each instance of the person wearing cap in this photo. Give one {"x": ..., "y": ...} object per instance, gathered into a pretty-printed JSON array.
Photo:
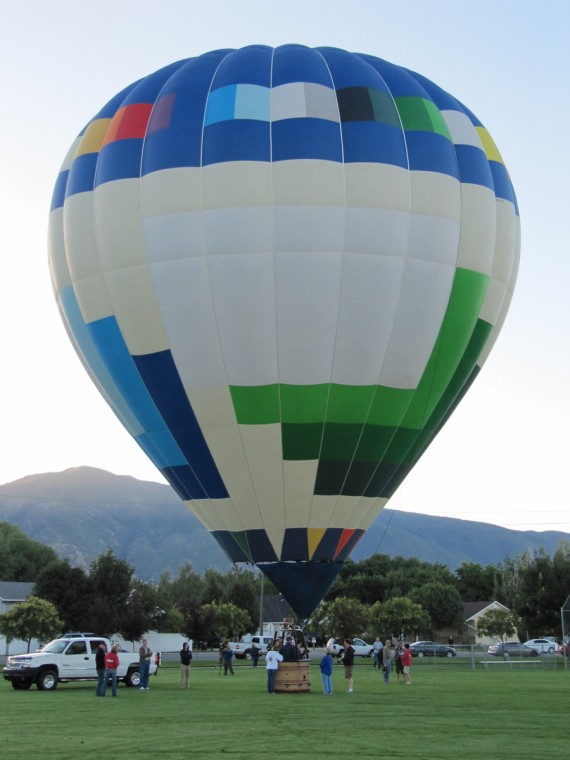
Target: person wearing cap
[{"x": 289, "y": 650}]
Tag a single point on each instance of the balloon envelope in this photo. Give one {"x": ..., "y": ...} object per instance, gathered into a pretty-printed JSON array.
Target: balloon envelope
[{"x": 283, "y": 268}]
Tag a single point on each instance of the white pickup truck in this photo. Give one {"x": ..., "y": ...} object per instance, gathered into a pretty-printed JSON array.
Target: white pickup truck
[
  {"x": 242, "y": 648},
  {"x": 69, "y": 658}
]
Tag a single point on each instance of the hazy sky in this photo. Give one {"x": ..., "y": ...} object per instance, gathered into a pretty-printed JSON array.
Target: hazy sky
[{"x": 504, "y": 456}]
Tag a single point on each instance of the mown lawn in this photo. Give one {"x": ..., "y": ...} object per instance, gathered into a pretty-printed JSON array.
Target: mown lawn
[{"x": 448, "y": 712}]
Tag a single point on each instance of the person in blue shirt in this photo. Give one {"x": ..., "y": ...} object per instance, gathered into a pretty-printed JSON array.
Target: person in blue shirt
[
  {"x": 326, "y": 671},
  {"x": 227, "y": 654}
]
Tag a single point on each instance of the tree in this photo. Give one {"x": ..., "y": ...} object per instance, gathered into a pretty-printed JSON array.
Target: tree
[
  {"x": 476, "y": 583},
  {"x": 241, "y": 590},
  {"x": 69, "y": 590},
  {"x": 442, "y": 603},
  {"x": 535, "y": 586},
  {"x": 499, "y": 623},
  {"x": 200, "y": 624},
  {"x": 187, "y": 587},
  {"x": 408, "y": 573},
  {"x": 398, "y": 617},
  {"x": 214, "y": 586},
  {"x": 364, "y": 580},
  {"x": 111, "y": 582},
  {"x": 136, "y": 619},
  {"x": 542, "y": 590},
  {"x": 229, "y": 621},
  {"x": 111, "y": 577},
  {"x": 342, "y": 618},
  {"x": 173, "y": 620},
  {"x": 21, "y": 558},
  {"x": 33, "y": 619}
]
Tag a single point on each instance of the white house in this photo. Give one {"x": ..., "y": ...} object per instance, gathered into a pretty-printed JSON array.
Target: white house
[
  {"x": 473, "y": 611},
  {"x": 11, "y": 594}
]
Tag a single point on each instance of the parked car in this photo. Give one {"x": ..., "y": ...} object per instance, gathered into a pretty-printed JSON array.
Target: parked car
[
  {"x": 431, "y": 649},
  {"x": 543, "y": 645},
  {"x": 512, "y": 649},
  {"x": 361, "y": 648}
]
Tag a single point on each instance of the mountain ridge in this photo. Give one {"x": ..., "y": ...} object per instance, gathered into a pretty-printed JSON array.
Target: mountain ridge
[{"x": 83, "y": 511}]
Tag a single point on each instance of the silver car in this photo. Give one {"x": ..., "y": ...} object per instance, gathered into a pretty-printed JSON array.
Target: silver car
[
  {"x": 361, "y": 648},
  {"x": 543, "y": 645},
  {"x": 512, "y": 649}
]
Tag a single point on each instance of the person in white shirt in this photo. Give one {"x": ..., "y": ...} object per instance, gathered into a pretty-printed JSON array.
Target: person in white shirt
[
  {"x": 272, "y": 658},
  {"x": 377, "y": 647}
]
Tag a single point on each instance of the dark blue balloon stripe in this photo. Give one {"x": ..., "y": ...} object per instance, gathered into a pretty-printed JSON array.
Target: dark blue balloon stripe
[
  {"x": 216, "y": 109},
  {"x": 161, "y": 380}
]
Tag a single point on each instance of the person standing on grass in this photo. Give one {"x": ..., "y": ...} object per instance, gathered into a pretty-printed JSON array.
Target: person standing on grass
[
  {"x": 398, "y": 664},
  {"x": 100, "y": 667},
  {"x": 407, "y": 663},
  {"x": 387, "y": 660},
  {"x": 326, "y": 666},
  {"x": 377, "y": 647},
  {"x": 254, "y": 653},
  {"x": 227, "y": 654},
  {"x": 348, "y": 662},
  {"x": 144, "y": 658},
  {"x": 185, "y": 660},
  {"x": 111, "y": 665},
  {"x": 272, "y": 659}
]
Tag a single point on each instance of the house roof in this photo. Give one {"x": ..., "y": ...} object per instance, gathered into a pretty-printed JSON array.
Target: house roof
[
  {"x": 14, "y": 591},
  {"x": 475, "y": 609}
]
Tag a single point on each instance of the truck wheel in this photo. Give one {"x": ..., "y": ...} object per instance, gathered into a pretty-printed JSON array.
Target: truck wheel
[
  {"x": 247, "y": 654},
  {"x": 21, "y": 685},
  {"x": 133, "y": 678},
  {"x": 47, "y": 680}
]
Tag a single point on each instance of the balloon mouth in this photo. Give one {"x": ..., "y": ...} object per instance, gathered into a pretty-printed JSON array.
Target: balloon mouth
[{"x": 303, "y": 584}]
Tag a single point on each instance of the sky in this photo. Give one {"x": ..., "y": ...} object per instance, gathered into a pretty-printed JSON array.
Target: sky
[{"x": 503, "y": 457}]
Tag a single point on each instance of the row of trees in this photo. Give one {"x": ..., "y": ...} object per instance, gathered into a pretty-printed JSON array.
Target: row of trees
[
  {"x": 379, "y": 594},
  {"x": 533, "y": 585}
]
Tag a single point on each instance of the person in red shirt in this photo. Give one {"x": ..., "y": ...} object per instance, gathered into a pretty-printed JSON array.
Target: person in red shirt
[
  {"x": 111, "y": 665},
  {"x": 407, "y": 663}
]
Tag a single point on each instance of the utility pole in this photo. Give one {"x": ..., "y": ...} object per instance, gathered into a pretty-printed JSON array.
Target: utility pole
[{"x": 261, "y": 607}]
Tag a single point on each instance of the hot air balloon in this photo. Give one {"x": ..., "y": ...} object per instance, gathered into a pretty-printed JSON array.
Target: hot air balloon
[{"x": 283, "y": 268}]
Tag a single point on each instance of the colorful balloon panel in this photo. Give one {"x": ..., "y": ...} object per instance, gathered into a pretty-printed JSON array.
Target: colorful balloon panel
[{"x": 283, "y": 268}]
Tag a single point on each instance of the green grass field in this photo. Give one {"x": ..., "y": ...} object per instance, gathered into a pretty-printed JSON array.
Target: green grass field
[{"x": 448, "y": 712}]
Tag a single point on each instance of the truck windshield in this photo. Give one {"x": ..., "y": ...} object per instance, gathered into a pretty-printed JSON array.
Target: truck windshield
[{"x": 55, "y": 647}]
